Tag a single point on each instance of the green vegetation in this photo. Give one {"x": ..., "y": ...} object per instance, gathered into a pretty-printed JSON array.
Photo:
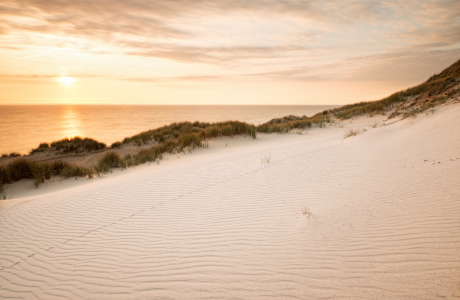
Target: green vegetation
[
  {"x": 413, "y": 112},
  {"x": 40, "y": 148},
  {"x": 116, "y": 145},
  {"x": 175, "y": 138},
  {"x": 187, "y": 136},
  {"x": 177, "y": 131},
  {"x": 351, "y": 132},
  {"x": 39, "y": 171},
  {"x": 433, "y": 85},
  {"x": 109, "y": 161},
  {"x": 77, "y": 145},
  {"x": 4, "y": 195},
  {"x": 73, "y": 145}
]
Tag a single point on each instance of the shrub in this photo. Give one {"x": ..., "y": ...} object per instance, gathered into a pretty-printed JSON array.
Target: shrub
[
  {"x": 40, "y": 148},
  {"x": 76, "y": 171},
  {"x": 108, "y": 161},
  {"x": 4, "y": 195},
  {"x": 77, "y": 145},
  {"x": 39, "y": 171},
  {"x": 116, "y": 145},
  {"x": 351, "y": 132}
]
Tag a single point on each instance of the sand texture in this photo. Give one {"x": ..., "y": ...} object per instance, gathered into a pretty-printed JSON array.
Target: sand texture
[{"x": 225, "y": 223}]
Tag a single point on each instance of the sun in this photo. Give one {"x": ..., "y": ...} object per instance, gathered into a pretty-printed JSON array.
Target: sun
[{"x": 66, "y": 80}]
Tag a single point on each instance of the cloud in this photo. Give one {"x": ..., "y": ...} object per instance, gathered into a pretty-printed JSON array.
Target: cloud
[
  {"x": 209, "y": 54},
  {"x": 392, "y": 66},
  {"x": 278, "y": 40},
  {"x": 161, "y": 18},
  {"x": 170, "y": 79}
]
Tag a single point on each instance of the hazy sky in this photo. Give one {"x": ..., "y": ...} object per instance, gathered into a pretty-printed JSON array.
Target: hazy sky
[{"x": 221, "y": 51}]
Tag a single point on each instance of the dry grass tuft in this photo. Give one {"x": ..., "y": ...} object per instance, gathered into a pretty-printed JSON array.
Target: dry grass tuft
[
  {"x": 265, "y": 159},
  {"x": 306, "y": 211},
  {"x": 351, "y": 132}
]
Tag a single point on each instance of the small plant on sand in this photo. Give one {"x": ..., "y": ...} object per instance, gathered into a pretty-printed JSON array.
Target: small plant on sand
[
  {"x": 351, "y": 132},
  {"x": 306, "y": 211},
  {"x": 42, "y": 147},
  {"x": 107, "y": 162},
  {"x": 266, "y": 159},
  {"x": 374, "y": 124},
  {"x": 116, "y": 145},
  {"x": 76, "y": 145},
  {"x": 4, "y": 195},
  {"x": 205, "y": 143},
  {"x": 411, "y": 113}
]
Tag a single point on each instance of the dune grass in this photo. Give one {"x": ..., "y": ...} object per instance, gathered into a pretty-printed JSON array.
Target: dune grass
[
  {"x": 351, "y": 132},
  {"x": 107, "y": 162},
  {"x": 385, "y": 104},
  {"x": 4, "y": 195},
  {"x": 73, "y": 145},
  {"x": 184, "y": 131},
  {"x": 173, "y": 138},
  {"x": 186, "y": 136},
  {"x": 39, "y": 171}
]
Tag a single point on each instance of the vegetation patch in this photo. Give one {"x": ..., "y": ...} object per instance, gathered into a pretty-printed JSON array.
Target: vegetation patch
[
  {"x": 109, "y": 161},
  {"x": 73, "y": 145},
  {"x": 433, "y": 87},
  {"x": 351, "y": 132},
  {"x": 39, "y": 171},
  {"x": 4, "y": 195}
]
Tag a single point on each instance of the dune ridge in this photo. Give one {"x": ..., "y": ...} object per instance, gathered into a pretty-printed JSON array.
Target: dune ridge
[{"x": 383, "y": 225}]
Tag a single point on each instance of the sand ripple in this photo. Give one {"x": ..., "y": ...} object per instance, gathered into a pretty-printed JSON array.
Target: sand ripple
[{"x": 384, "y": 225}]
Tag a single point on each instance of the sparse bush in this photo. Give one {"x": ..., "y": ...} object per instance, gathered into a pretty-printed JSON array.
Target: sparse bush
[
  {"x": 385, "y": 104},
  {"x": 116, "y": 145},
  {"x": 453, "y": 92},
  {"x": 42, "y": 147},
  {"x": 439, "y": 99},
  {"x": 306, "y": 211},
  {"x": 351, "y": 132},
  {"x": 107, "y": 162},
  {"x": 265, "y": 159},
  {"x": 374, "y": 124},
  {"x": 15, "y": 154},
  {"x": 39, "y": 171},
  {"x": 77, "y": 145},
  {"x": 4, "y": 195},
  {"x": 76, "y": 171}
]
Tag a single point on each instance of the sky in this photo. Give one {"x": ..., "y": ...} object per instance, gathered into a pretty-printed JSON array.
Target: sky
[{"x": 221, "y": 51}]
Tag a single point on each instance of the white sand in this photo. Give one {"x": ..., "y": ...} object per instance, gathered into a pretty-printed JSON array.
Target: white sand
[{"x": 219, "y": 224}]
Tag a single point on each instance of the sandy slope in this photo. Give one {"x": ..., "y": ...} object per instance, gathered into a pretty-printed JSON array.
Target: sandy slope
[{"x": 385, "y": 222}]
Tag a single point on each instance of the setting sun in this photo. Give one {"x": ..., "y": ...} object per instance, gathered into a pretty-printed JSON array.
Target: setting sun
[{"x": 66, "y": 80}]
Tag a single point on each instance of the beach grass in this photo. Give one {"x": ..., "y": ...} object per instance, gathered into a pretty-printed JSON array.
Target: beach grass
[
  {"x": 39, "y": 171},
  {"x": 435, "y": 85},
  {"x": 73, "y": 145},
  {"x": 187, "y": 136}
]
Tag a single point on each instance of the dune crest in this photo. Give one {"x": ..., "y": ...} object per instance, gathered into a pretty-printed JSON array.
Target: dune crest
[{"x": 383, "y": 222}]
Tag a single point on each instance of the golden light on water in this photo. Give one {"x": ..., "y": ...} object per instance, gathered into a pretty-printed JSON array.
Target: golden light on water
[
  {"x": 70, "y": 123},
  {"x": 66, "y": 80}
]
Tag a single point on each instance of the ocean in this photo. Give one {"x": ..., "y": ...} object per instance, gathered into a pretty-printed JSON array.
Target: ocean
[{"x": 23, "y": 127}]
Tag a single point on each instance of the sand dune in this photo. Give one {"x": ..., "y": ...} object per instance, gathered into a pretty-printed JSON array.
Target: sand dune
[{"x": 222, "y": 224}]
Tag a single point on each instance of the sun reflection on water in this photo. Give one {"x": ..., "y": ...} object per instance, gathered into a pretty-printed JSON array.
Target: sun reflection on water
[{"x": 71, "y": 125}]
